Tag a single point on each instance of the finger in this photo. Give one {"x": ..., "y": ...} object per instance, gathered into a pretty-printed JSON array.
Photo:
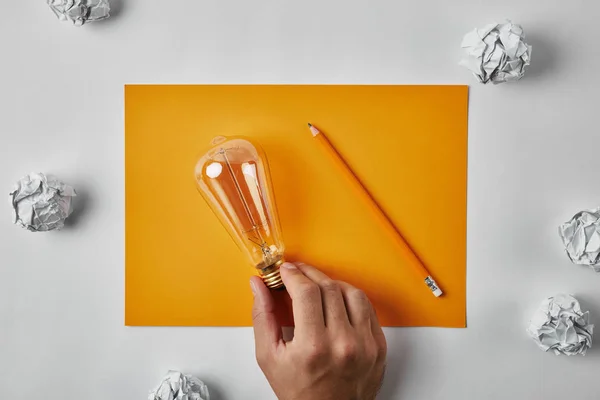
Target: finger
[
  {"x": 378, "y": 334},
  {"x": 358, "y": 306},
  {"x": 267, "y": 332},
  {"x": 334, "y": 308},
  {"x": 375, "y": 325},
  {"x": 306, "y": 301}
]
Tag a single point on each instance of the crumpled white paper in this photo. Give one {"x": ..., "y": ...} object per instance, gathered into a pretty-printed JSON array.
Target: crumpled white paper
[
  {"x": 560, "y": 326},
  {"x": 177, "y": 386},
  {"x": 80, "y": 11},
  {"x": 496, "y": 53},
  {"x": 41, "y": 203},
  {"x": 581, "y": 237}
]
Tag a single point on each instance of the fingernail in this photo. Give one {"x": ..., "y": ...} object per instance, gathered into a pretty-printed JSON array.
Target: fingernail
[
  {"x": 252, "y": 287},
  {"x": 288, "y": 265}
]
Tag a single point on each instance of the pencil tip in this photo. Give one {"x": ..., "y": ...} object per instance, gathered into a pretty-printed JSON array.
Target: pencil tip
[{"x": 309, "y": 125}]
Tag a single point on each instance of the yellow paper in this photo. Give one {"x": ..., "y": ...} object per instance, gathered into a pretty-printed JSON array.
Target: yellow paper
[{"x": 408, "y": 144}]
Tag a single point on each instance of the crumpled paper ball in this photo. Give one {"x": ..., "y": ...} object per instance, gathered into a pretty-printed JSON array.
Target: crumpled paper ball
[
  {"x": 41, "y": 203},
  {"x": 560, "y": 326},
  {"x": 80, "y": 11},
  {"x": 496, "y": 53},
  {"x": 177, "y": 386},
  {"x": 581, "y": 237}
]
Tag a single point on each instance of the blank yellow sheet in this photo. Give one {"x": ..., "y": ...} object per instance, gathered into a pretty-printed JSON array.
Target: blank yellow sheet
[{"x": 407, "y": 143}]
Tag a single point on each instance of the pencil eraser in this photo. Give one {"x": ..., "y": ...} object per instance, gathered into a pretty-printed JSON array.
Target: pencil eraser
[{"x": 435, "y": 289}]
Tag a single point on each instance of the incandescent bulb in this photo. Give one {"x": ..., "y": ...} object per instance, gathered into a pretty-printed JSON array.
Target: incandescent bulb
[{"x": 233, "y": 177}]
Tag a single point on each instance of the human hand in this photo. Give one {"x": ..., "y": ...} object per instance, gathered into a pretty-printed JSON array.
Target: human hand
[{"x": 338, "y": 350}]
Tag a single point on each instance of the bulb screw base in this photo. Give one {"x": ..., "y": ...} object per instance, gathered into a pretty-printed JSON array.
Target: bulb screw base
[{"x": 271, "y": 276}]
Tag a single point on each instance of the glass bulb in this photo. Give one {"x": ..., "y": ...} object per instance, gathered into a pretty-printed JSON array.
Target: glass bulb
[{"x": 233, "y": 177}]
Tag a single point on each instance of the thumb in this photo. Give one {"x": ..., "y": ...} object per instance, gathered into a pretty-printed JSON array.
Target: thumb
[{"x": 267, "y": 331}]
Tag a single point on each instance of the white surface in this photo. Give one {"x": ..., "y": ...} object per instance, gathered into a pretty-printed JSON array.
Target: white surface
[{"x": 532, "y": 164}]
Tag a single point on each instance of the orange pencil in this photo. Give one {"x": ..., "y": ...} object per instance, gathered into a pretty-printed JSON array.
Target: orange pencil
[{"x": 386, "y": 222}]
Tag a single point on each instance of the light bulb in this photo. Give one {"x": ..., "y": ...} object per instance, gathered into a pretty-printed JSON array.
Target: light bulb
[{"x": 234, "y": 179}]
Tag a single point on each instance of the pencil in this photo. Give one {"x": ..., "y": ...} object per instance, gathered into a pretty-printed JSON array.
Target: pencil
[{"x": 360, "y": 189}]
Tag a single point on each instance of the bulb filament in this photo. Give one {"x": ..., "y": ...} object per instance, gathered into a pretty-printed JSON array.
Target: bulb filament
[{"x": 253, "y": 235}]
